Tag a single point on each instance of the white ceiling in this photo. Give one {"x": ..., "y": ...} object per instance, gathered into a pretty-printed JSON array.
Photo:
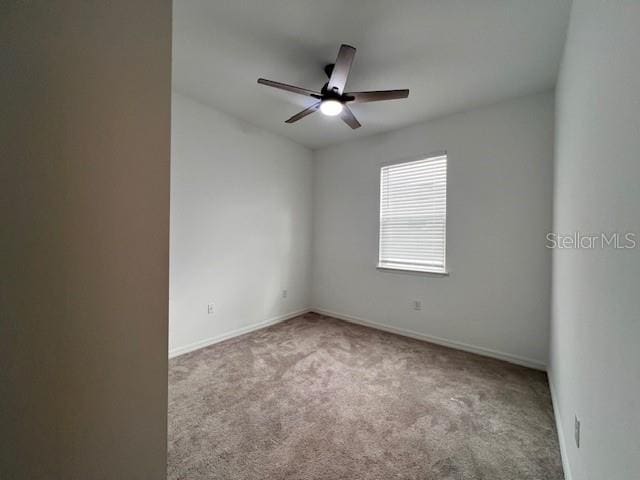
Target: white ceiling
[{"x": 452, "y": 54}]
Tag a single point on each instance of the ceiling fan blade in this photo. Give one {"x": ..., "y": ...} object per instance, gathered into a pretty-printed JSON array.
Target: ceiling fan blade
[
  {"x": 303, "y": 113},
  {"x": 377, "y": 96},
  {"x": 341, "y": 68},
  {"x": 349, "y": 118},
  {"x": 289, "y": 88}
]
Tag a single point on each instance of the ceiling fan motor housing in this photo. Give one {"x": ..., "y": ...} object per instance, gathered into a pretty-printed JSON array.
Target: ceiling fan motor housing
[{"x": 331, "y": 94}]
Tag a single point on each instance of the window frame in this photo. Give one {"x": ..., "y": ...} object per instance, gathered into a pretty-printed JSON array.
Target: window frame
[{"x": 423, "y": 271}]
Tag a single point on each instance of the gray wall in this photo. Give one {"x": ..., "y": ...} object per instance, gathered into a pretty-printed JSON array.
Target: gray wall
[
  {"x": 85, "y": 131},
  {"x": 240, "y": 226},
  {"x": 496, "y": 298},
  {"x": 595, "y": 354}
]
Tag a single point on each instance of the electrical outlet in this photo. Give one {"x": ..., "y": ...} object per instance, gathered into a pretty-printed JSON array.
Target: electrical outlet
[
  {"x": 576, "y": 430},
  {"x": 284, "y": 293},
  {"x": 417, "y": 304},
  {"x": 210, "y": 308}
]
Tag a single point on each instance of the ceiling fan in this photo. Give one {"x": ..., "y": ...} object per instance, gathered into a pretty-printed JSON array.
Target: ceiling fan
[{"x": 332, "y": 99}]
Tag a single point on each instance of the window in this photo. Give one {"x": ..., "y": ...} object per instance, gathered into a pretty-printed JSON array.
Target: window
[{"x": 413, "y": 215}]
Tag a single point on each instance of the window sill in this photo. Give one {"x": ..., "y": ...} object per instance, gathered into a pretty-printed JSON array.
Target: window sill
[{"x": 413, "y": 271}]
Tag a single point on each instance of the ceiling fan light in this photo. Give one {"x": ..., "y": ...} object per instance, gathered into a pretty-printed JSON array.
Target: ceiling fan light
[{"x": 331, "y": 108}]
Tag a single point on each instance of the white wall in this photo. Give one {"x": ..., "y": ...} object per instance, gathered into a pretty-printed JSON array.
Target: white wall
[
  {"x": 240, "y": 225},
  {"x": 499, "y": 210},
  {"x": 84, "y": 182},
  {"x": 595, "y": 349}
]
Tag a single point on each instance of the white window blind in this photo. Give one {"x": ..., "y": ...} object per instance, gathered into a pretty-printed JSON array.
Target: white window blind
[{"x": 413, "y": 215}]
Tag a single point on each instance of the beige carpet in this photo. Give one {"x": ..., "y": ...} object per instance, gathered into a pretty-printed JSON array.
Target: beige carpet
[{"x": 318, "y": 398}]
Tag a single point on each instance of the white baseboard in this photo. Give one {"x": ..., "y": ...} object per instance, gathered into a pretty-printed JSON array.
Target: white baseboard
[
  {"x": 526, "y": 362},
  {"x": 561, "y": 438},
  {"x": 174, "y": 352}
]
